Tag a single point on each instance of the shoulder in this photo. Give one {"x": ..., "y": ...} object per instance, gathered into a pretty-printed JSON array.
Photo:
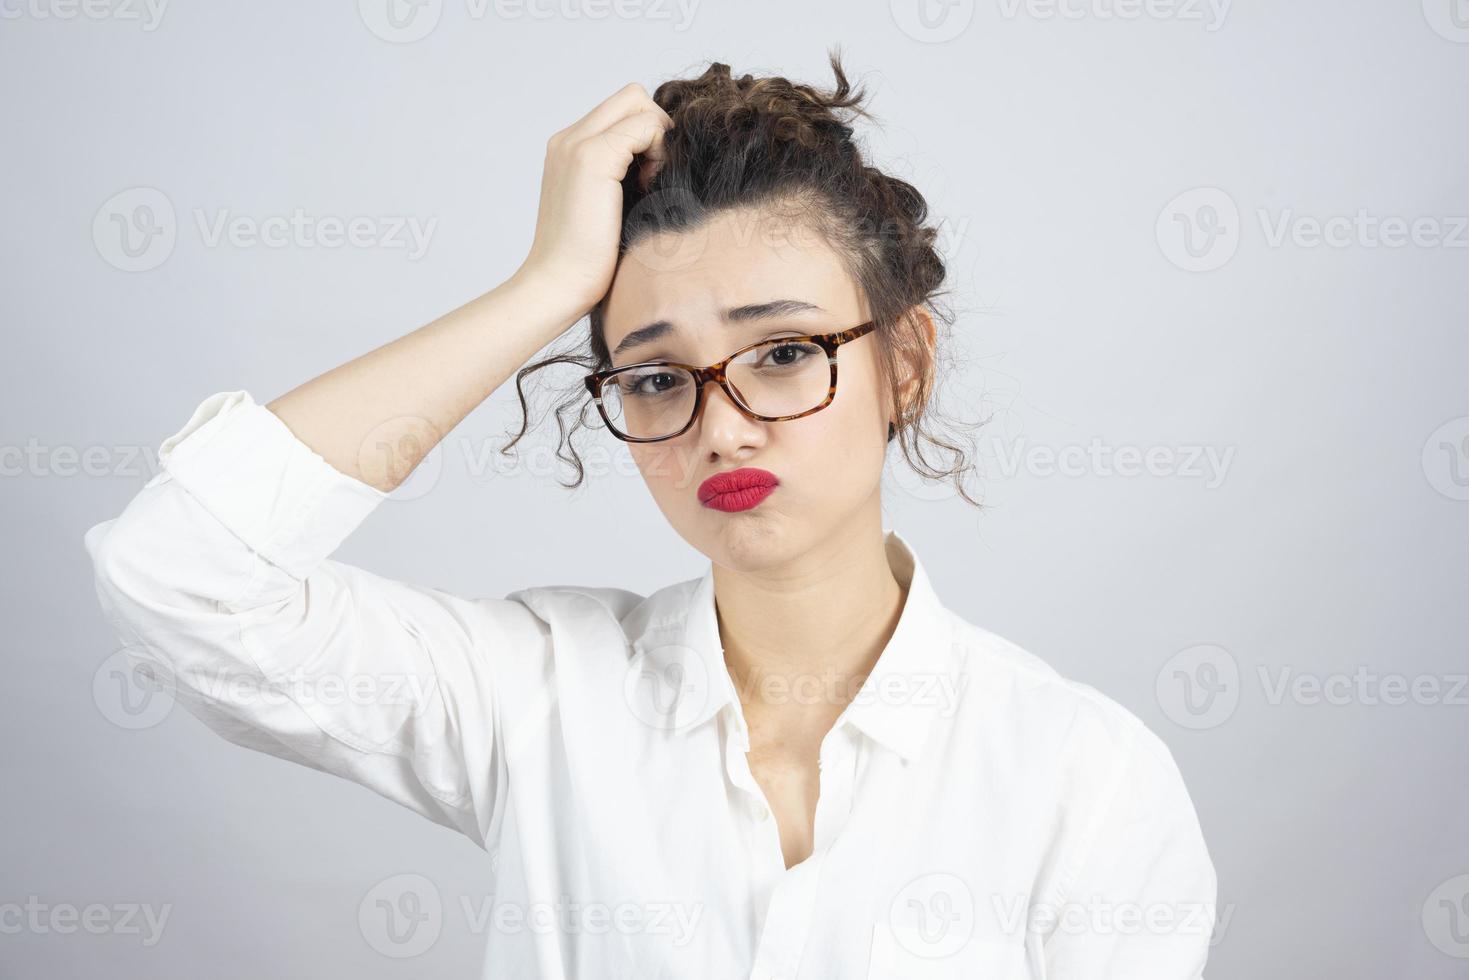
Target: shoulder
[
  {"x": 617, "y": 602},
  {"x": 1074, "y": 723},
  {"x": 1075, "y": 749},
  {"x": 596, "y": 608}
]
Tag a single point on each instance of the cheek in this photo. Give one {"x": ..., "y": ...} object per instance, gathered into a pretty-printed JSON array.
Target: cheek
[
  {"x": 847, "y": 438},
  {"x": 667, "y": 466}
]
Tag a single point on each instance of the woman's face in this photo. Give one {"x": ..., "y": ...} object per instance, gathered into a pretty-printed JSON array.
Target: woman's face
[{"x": 828, "y": 464}]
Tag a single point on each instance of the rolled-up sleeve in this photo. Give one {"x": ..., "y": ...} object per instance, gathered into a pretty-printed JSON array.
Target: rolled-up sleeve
[
  {"x": 1140, "y": 889},
  {"x": 217, "y": 579}
]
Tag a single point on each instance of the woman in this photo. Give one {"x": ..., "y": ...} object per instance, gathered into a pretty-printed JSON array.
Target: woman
[{"x": 800, "y": 764}]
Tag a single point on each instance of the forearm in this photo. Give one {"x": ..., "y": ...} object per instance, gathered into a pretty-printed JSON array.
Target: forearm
[{"x": 377, "y": 416}]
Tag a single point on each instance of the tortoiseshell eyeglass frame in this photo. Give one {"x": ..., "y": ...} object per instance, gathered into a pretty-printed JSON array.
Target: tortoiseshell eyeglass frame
[{"x": 715, "y": 373}]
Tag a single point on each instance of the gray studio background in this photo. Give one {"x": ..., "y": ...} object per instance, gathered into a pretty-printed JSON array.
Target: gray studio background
[{"x": 1210, "y": 267}]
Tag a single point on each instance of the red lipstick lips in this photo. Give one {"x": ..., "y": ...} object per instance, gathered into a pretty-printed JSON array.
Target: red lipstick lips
[{"x": 738, "y": 489}]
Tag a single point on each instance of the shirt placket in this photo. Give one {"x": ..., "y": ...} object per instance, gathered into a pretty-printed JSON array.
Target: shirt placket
[{"x": 785, "y": 924}]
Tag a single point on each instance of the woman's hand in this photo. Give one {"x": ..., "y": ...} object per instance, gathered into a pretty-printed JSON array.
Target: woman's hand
[{"x": 579, "y": 222}]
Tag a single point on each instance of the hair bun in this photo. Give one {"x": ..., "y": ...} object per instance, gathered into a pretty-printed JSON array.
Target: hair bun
[{"x": 788, "y": 112}]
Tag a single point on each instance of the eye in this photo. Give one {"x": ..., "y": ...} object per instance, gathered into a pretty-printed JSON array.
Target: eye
[
  {"x": 785, "y": 355},
  {"x": 650, "y": 383}
]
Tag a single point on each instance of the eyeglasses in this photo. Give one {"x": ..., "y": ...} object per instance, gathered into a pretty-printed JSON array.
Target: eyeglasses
[{"x": 769, "y": 381}]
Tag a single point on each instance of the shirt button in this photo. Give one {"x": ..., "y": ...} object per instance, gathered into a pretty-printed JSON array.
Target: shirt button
[{"x": 760, "y": 812}]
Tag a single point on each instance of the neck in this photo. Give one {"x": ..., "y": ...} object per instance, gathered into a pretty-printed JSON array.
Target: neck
[{"x": 805, "y": 634}]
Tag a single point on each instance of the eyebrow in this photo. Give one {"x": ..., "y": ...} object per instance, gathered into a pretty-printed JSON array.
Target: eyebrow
[{"x": 750, "y": 312}]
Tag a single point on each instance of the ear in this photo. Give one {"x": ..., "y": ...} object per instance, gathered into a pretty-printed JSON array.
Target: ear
[{"x": 915, "y": 364}]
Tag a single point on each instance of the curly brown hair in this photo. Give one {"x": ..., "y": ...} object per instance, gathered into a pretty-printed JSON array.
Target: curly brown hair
[{"x": 766, "y": 142}]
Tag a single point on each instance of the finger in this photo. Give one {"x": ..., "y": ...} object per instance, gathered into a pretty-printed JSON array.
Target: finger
[
  {"x": 641, "y": 132},
  {"x": 653, "y": 158},
  {"x": 647, "y": 171},
  {"x": 627, "y": 100}
]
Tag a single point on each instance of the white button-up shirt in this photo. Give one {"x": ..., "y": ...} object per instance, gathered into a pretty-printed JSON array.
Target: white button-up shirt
[{"x": 979, "y": 815}]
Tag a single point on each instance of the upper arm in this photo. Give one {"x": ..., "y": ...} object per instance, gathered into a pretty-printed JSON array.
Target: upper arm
[
  {"x": 216, "y": 577},
  {"x": 1139, "y": 890}
]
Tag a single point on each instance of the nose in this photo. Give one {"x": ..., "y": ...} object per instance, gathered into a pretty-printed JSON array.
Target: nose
[{"x": 722, "y": 424}]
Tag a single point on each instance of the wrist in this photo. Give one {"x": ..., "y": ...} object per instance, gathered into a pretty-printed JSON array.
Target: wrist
[{"x": 538, "y": 295}]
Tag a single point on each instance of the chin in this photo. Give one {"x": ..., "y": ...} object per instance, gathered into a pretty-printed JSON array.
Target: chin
[{"x": 751, "y": 540}]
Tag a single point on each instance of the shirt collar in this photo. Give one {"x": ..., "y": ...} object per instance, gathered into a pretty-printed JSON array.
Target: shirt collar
[
  {"x": 910, "y": 683},
  {"x": 914, "y": 676}
]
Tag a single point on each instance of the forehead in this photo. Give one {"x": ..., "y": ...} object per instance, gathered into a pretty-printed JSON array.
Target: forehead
[{"x": 736, "y": 258}]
